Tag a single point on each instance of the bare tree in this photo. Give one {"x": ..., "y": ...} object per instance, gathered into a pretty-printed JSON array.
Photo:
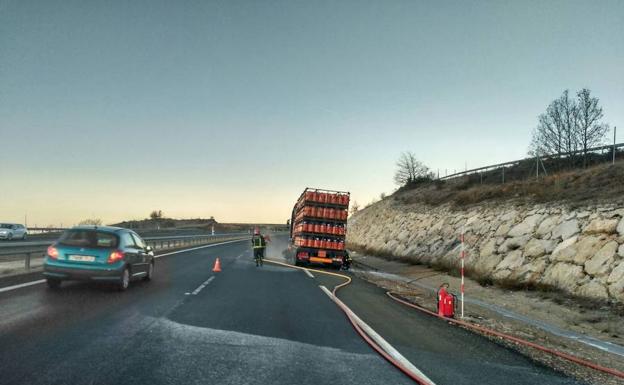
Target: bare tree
[
  {"x": 591, "y": 132},
  {"x": 156, "y": 214},
  {"x": 548, "y": 137},
  {"x": 409, "y": 169},
  {"x": 568, "y": 113},
  {"x": 355, "y": 207},
  {"x": 569, "y": 125},
  {"x": 91, "y": 221}
]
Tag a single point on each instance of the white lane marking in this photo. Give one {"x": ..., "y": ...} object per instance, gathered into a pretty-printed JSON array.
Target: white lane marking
[
  {"x": 308, "y": 273},
  {"x": 203, "y": 285},
  {"x": 9, "y": 288},
  {"x": 378, "y": 339},
  {"x": 31, "y": 283}
]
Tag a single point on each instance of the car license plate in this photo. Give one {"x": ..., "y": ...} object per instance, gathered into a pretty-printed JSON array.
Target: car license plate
[{"x": 81, "y": 258}]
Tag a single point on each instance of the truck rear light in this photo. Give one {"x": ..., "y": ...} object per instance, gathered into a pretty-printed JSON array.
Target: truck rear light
[
  {"x": 302, "y": 255},
  {"x": 115, "y": 256},
  {"x": 52, "y": 252}
]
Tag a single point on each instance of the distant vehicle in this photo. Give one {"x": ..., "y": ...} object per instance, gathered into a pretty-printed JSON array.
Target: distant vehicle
[
  {"x": 98, "y": 253},
  {"x": 11, "y": 231}
]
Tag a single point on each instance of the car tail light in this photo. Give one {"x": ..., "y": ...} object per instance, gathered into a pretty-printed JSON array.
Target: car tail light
[
  {"x": 52, "y": 252},
  {"x": 115, "y": 256}
]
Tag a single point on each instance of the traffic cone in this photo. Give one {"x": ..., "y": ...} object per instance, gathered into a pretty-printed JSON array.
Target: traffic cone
[{"x": 217, "y": 266}]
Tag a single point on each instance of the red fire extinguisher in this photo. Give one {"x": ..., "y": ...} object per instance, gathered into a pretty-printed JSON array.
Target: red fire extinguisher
[{"x": 446, "y": 302}]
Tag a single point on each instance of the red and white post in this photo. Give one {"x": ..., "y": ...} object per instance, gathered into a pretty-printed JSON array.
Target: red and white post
[{"x": 463, "y": 257}]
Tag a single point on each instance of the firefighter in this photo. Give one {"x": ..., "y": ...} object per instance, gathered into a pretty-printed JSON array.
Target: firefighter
[
  {"x": 346, "y": 261},
  {"x": 259, "y": 245}
]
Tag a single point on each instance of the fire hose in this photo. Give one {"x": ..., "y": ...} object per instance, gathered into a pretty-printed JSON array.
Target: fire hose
[
  {"x": 364, "y": 330},
  {"x": 517, "y": 340},
  {"x": 419, "y": 377}
]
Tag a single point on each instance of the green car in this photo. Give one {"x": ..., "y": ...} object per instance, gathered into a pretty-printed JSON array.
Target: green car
[{"x": 98, "y": 253}]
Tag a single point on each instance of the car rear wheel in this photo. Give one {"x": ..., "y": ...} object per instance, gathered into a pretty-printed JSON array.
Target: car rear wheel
[
  {"x": 53, "y": 283},
  {"x": 124, "y": 281},
  {"x": 150, "y": 272},
  {"x": 10, "y": 236},
  {"x": 24, "y": 237}
]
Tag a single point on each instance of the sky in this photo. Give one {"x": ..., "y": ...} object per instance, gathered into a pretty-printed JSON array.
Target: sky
[{"x": 112, "y": 109}]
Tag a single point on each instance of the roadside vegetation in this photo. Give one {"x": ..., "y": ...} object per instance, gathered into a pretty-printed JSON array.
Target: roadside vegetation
[
  {"x": 596, "y": 184},
  {"x": 561, "y": 165}
]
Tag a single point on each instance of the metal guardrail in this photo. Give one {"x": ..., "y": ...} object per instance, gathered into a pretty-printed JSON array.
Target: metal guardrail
[
  {"x": 24, "y": 244},
  {"x": 515, "y": 162},
  {"x": 157, "y": 243}
]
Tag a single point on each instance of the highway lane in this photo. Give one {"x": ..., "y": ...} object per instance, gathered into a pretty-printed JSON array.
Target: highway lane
[{"x": 247, "y": 325}]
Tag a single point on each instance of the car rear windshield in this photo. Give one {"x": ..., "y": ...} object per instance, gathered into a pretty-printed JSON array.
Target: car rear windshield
[
  {"x": 5, "y": 226},
  {"x": 88, "y": 238}
]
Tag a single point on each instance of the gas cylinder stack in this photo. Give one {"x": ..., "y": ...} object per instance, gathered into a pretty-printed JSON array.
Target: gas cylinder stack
[{"x": 319, "y": 226}]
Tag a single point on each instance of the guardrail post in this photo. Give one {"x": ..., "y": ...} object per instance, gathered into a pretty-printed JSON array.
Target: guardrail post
[{"x": 27, "y": 262}]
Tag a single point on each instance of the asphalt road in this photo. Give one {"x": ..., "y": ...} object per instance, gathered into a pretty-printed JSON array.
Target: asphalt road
[{"x": 245, "y": 325}]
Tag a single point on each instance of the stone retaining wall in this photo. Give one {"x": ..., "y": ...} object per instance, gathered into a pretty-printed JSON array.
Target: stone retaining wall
[{"x": 580, "y": 251}]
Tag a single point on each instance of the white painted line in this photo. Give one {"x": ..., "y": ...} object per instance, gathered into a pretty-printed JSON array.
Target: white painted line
[
  {"x": 14, "y": 287},
  {"x": 31, "y": 283},
  {"x": 378, "y": 339},
  {"x": 203, "y": 285},
  {"x": 308, "y": 273}
]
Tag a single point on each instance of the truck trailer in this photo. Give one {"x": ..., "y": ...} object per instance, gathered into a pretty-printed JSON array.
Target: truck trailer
[{"x": 318, "y": 227}]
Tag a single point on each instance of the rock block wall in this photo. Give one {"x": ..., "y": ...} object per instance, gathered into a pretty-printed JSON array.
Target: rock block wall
[{"x": 580, "y": 251}]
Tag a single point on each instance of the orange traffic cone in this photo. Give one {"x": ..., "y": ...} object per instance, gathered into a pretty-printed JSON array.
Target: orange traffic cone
[{"x": 217, "y": 266}]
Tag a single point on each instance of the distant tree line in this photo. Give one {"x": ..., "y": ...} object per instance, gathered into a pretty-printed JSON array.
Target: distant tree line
[{"x": 570, "y": 124}]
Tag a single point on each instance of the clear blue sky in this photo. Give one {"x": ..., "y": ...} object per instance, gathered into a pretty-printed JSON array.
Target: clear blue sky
[{"x": 114, "y": 108}]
